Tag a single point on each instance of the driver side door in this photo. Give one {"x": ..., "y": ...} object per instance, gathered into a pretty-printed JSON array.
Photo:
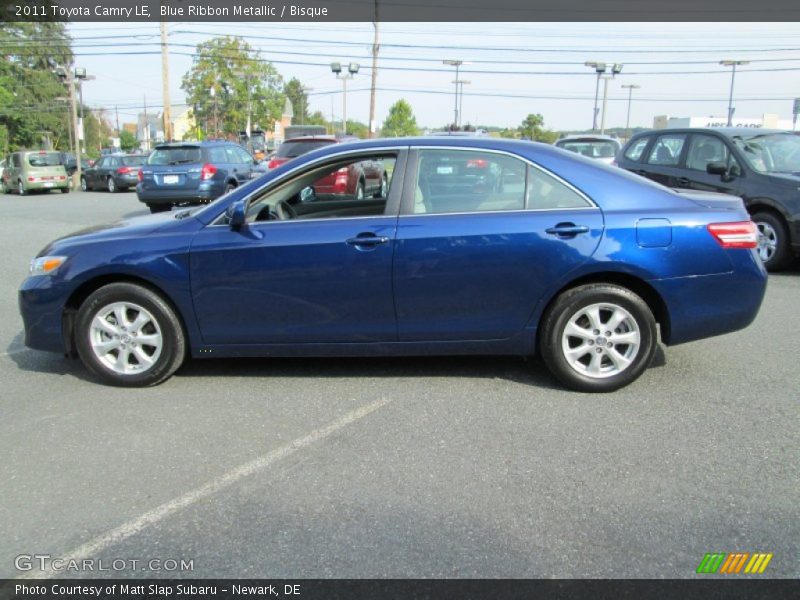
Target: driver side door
[{"x": 322, "y": 276}]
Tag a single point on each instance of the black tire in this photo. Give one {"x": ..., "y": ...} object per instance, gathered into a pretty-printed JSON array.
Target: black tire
[
  {"x": 65, "y": 190},
  {"x": 21, "y": 188},
  {"x": 383, "y": 188},
  {"x": 173, "y": 344},
  {"x": 360, "y": 191},
  {"x": 781, "y": 256},
  {"x": 229, "y": 187},
  {"x": 157, "y": 208},
  {"x": 111, "y": 185},
  {"x": 571, "y": 303},
  {"x": 84, "y": 184}
]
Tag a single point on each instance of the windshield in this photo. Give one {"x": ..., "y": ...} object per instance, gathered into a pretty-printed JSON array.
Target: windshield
[
  {"x": 44, "y": 159},
  {"x": 771, "y": 153},
  {"x": 591, "y": 148},
  {"x": 294, "y": 149},
  {"x": 175, "y": 156},
  {"x": 133, "y": 161}
]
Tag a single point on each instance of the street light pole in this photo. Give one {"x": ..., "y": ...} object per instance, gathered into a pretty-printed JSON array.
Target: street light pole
[
  {"x": 457, "y": 64},
  {"x": 630, "y": 87},
  {"x": 599, "y": 68},
  {"x": 733, "y": 64},
  {"x": 67, "y": 76},
  {"x": 352, "y": 69}
]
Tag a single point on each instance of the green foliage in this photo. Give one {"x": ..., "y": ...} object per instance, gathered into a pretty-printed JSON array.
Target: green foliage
[
  {"x": 299, "y": 99},
  {"x": 30, "y": 109},
  {"x": 127, "y": 141},
  {"x": 238, "y": 77},
  {"x": 357, "y": 129},
  {"x": 401, "y": 121},
  {"x": 317, "y": 118},
  {"x": 96, "y": 131},
  {"x": 532, "y": 128}
]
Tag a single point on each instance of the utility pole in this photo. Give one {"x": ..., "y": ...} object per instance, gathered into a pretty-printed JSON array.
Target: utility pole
[
  {"x": 167, "y": 114},
  {"x": 146, "y": 129},
  {"x": 75, "y": 133},
  {"x": 116, "y": 112},
  {"x": 460, "y": 85},
  {"x": 457, "y": 64},
  {"x": 630, "y": 88},
  {"x": 373, "y": 128}
]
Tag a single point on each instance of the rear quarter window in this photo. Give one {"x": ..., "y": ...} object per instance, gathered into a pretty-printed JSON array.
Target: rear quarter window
[{"x": 636, "y": 149}]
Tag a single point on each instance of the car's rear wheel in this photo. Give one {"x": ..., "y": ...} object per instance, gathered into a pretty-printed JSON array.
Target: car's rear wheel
[
  {"x": 111, "y": 185},
  {"x": 84, "y": 184},
  {"x": 384, "y": 188},
  {"x": 598, "y": 337},
  {"x": 229, "y": 187},
  {"x": 360, "y": 191},
  {"x": 3, "y": 187},
  {"x": 65, "y": 190},
  {"x": 128, "y": 335},
  {"x": 21, "y": 188},
  {"x": 157, "y": 208},
  {"x": 773, "y": 241}
]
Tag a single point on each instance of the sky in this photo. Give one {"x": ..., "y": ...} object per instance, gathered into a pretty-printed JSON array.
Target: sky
[{"x": 513, "y": 69}]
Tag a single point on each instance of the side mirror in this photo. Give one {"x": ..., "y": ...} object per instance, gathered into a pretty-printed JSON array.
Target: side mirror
[
  {"x": 716, "y": 168},
  {"x": 236, "y": 214}
]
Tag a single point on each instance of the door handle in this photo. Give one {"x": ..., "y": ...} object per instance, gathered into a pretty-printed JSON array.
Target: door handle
[
  {"x": 567, "y": 230},
  {"x": 368, "y": 240},
  {"x": 683, "y": 181}
]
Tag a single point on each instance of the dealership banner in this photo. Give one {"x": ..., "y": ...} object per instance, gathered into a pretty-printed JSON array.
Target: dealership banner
[
  {"x": 399, "y": 10},
  {"x": 398, "y": 589}
]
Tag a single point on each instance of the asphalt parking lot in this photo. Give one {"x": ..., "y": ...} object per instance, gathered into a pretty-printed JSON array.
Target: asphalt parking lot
[{"x": 446, "y": 467}]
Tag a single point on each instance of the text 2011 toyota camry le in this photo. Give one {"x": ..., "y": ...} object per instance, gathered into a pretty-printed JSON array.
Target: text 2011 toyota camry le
[{"x": 471, "y": 246}]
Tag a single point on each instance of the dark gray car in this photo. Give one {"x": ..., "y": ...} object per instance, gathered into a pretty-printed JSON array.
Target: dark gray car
[
  {"x": 762, "y": 166},
  {"x": 115, "y": 173}
]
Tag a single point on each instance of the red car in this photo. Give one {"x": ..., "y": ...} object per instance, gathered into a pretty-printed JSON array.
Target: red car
[{"x": 359, "y": 180}]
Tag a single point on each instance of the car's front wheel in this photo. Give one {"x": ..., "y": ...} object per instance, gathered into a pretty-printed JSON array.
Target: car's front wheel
[
  {"x": 598, "y": 337},
  {"x": 128, "y": 335},
  {"x": 84, "y": 185},
  {"x": 773, "y": 241}
]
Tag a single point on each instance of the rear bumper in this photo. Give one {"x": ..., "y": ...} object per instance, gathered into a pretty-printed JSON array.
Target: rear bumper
[
  {"x": 42, "y": 185},
  {"x": 709, "y": 305},
  {"x": 204, "y": 193},
  {"x": 126, "y": 182}
]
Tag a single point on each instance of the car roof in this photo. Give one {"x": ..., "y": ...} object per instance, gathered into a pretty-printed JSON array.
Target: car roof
[
  {"x": 312, "y": 138},
  {"x": 587, "y": 136},
  {"x": 195, "y": 144},
  {"x": 726, "y": 131}
]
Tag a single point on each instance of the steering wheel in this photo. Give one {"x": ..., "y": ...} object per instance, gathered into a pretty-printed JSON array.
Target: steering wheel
[{"x": 285, "y": 210}]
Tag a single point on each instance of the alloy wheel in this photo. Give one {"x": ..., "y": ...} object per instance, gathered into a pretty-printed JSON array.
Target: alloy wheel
[
  {"x": 126, "y": 338},
  {"x": 767, "y": 241}
]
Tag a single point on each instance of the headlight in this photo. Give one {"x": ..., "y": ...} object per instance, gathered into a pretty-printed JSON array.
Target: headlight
[{"x": 44, "y": 265}]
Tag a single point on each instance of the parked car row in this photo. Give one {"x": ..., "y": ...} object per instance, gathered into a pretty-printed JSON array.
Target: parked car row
[
  {"x": 34, "y": 171},
  {"x": 761, "y": 166}
]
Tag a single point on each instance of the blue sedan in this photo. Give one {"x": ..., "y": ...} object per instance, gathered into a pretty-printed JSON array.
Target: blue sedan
[{"x": 474, "y": 246}]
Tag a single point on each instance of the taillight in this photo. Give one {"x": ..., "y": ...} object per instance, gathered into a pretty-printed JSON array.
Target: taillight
[
  {"x": 477, "y": 163},
  {"x": 207, "y": 172},
  {"x": 742, "y": 234},
  {"x": 123, "y": 170},
  {"x": 274, "y": 163},
  {"x": 139, "y": 174}
]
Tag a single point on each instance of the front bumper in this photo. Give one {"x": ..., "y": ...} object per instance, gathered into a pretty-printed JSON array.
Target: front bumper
[{"x": 41, "y": 304}]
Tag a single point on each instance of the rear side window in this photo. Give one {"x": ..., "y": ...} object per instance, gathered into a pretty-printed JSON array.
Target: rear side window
[
  {"x": 133, "y": 161},
  {"x": 44, "y": 159},
  {"x": 175, "y": 156},
  {"x": 547, "y": 192},
  {"x": 294, "y": 149},
  {"x": 218, "y": 155},
  {"x": 667, "y": 150},
  {"x": 635, "y": 150}
]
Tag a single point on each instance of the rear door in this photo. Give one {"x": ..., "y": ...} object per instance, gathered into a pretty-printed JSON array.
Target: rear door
[
  {"x": 480, "y": 238},
  {"x": 664, "y": 159},
  {"x": 240, "y": 164}
]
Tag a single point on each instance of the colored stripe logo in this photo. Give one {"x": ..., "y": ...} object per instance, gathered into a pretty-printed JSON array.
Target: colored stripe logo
[{"x": 734, "y": 563}]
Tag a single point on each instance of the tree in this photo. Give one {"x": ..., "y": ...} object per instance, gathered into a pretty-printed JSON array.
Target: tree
[
  {"x": 32, "y": 113},
  {"x": 127, "y": 141},
  {"x": 228, "y": 80},
  {"x": 532, "y": 128},
  {"x": 299, "y": 99},
  {"x": 358, "y": 129},
  {"x": 400, "y": 122}
]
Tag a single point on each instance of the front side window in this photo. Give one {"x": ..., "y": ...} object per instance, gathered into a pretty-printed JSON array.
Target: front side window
[
  {"x": 705, "y": 149},
  {"x": 453, "y": 181},
  {"x": 358, "y": 187},
  {"x": 667, "y": 150}
]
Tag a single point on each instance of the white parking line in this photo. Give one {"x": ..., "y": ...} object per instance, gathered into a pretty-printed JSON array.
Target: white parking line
[{"x": 134, "y": 526}]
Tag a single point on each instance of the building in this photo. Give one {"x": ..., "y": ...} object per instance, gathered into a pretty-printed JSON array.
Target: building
[
  {"x": 767, "y": 121},
  {"x": 183, "y": 125},
  {"x": 280, "y": 126}
]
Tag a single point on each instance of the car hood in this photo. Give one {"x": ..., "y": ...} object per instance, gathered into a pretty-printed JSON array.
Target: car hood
[
  {"x": 712, "y": 199},
  {"x": 135, "y": 226}
]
